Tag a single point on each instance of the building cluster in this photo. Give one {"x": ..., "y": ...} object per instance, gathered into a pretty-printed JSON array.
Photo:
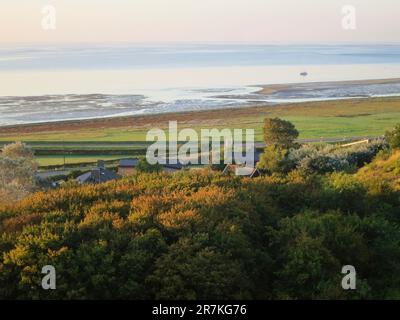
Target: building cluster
[{"x": 100, "y": 173}]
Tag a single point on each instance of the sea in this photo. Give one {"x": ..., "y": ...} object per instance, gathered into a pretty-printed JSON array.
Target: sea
[{"x": 43, "y": 83}]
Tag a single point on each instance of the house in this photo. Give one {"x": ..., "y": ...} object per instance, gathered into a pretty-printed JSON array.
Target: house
[
  {"x": 257, "y": 156},
  {"x": 99, "y": 174},
  {"x": 171, "y": 167},
  {"x": 127, "y": 166},
  {"x": 242, "y": 171},
  {"x": 58, "y": 183},
  {"x": 245, "y": 170}
]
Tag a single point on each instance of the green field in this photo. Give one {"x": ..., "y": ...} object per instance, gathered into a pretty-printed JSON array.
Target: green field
[
  {"x": 58, "y": 160},
  {"x": 341, "y": 118},
  {"x": 115, "y": 139}
]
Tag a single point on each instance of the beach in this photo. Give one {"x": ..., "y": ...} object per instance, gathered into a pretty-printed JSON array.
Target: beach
[
  {"x": 84, "y": 141},
  {"x": 99, "y": 110},
  {"x": 270, "y": 89},
  {"x": 334, "y": 118}
]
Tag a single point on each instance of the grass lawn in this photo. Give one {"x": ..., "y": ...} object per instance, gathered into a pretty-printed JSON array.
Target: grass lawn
[{"x": 58, "y": 160}]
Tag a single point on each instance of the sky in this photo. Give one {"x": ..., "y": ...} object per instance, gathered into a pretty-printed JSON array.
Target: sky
[{"x": 282, "y": 21}]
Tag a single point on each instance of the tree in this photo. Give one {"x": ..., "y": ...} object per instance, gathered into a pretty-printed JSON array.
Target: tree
[
  {"x": 17, "y": 150},
  {"x": 217, "y": 274},
  {"x": 17, "y": 172},
  {"x": 144, "y": 166},
  {"x": 393, "y": 137},
  {"x": 202, "y": 235},
  {"x": 274, "y": 159},
  {"x": 279, "y": 136},
  {"x": 279, "y": 132}
]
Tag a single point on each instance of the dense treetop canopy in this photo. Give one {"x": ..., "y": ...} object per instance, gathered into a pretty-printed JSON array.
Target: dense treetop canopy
[{"x": 202, "y": 235}]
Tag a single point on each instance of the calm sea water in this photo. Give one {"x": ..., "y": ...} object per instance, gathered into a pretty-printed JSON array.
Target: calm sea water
[{"x": 44, "y": 83}]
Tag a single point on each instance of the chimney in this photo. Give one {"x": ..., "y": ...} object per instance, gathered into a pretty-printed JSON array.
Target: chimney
[
  {"x": 100, "y": 164},
  {"x": 96, "y": 175}
]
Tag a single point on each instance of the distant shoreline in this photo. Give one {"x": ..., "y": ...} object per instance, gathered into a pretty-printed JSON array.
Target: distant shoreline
[
  {"x": 268, "y": 89},
  {"x": 205, "y": 118},
  {"x": 146, "y": 121}
]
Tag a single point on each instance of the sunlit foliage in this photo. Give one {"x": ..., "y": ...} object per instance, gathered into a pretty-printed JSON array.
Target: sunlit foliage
[{"x": 202, "y": 235}]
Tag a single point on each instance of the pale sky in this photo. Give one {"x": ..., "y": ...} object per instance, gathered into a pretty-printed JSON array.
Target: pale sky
[{"x": 199, "y": 21}]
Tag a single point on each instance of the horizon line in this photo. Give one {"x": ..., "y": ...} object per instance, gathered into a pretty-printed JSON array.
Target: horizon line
[{"x": 116, "y": 42}]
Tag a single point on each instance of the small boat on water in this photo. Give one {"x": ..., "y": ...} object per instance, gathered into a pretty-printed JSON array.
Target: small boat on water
[{"x": 304, "y": 74}]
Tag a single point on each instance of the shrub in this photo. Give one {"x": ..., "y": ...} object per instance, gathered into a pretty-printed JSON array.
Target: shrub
[
  {"x": 144, "y": 166},
  {"x": 17, "y": 177},
  {"x": 393, "y": 137},
  {"x": 325, "y": 158},
  {"x": 274, "y": 160},
  {"x": 204, "y": 235}
]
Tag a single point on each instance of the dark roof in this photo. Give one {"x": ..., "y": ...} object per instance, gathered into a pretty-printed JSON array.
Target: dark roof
[
  {"x": 97, "y": 175},
  {"x": 257, "y": 155},
  {"x": 176, "y": 166},
  {"x": 127, "y": 163}
]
